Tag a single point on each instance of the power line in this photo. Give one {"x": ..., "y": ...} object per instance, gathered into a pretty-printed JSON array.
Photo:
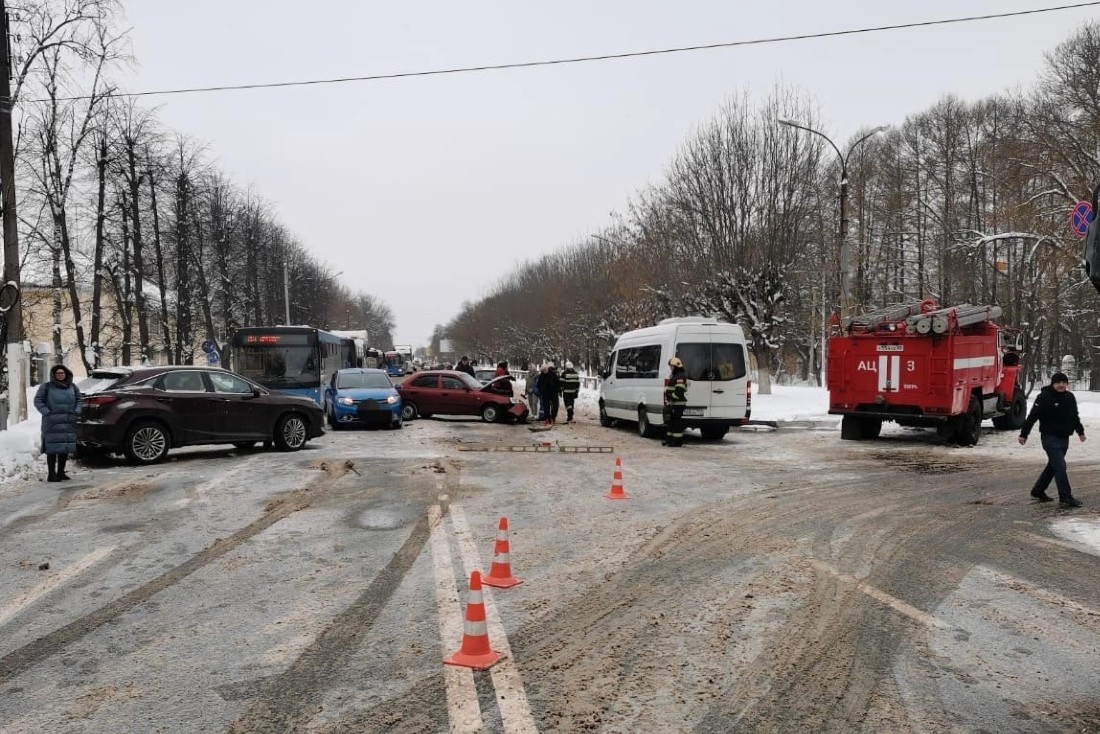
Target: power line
[{"x": 601, "y": 57}]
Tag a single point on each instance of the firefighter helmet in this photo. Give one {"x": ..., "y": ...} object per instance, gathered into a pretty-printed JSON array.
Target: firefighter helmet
[{"x": 675, "y": 362}]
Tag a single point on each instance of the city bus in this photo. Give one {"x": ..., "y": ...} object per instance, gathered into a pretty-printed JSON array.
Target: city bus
[
  {"x": 394, "y": 363},
  {"x": 293, "y": 359}
]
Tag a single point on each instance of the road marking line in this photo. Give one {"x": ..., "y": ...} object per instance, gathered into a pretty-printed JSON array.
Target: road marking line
[
  {"x": 1054, "y": 541},
  {"x": 897, "y": 604},
  {"x": 16, "y": 605},
  {"x": 1026, "y": 587},
  {"x": 515, "y": 711},
  {"x": 462, "y": 706}
]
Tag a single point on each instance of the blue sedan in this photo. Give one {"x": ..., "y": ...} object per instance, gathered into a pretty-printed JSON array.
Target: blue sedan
[{"x": 362, "y": 397}]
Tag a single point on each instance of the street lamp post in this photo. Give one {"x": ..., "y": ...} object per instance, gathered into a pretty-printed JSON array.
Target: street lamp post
[{"x": 845, "y": 248}]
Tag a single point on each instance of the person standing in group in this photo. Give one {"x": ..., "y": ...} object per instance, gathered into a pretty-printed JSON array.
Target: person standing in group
[
  {"x": 465, "y": 366},
  {"x": 570, "y": 386},
  {"x": 549, "y": 390},
  {"x": 1056, "y": 411},
  {"x": 675, "y": 401},
  {"x": 505, "y": 386},
  {"x": 532, "y": 389},
  {"x": 59, "y": 403}
]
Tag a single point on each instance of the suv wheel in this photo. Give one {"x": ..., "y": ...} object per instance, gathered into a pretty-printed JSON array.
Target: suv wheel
[{"x": 146, "y": 442}]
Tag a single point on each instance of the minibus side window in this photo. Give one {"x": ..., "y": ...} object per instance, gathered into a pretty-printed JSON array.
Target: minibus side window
[{"x": 638, "y": 362}]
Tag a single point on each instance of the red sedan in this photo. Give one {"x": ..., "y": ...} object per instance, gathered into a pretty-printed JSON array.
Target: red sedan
[{"x": 448, "y": 392}]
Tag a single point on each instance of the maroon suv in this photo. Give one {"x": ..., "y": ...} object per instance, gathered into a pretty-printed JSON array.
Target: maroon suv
[{"x": 144, "y": 411}]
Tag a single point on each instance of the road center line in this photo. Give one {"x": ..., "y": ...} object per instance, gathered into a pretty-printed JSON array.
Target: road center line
[
  {"x": 897, "y": 604},
  {"x": 16, "y": 605},
  {"x": 462, "y": 706},
  {"x": 515, "y": 711}
]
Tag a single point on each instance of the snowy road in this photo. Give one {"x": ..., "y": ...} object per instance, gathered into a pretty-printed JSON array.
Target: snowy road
[{"x": 777, "y": 581}]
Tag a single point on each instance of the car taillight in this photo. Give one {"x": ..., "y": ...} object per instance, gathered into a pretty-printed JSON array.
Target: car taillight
[{"x": 99, "y": 401}]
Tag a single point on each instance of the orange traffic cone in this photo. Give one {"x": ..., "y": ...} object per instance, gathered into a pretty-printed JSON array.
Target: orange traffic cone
[
  {"x": 475, "y": 652},
  {"x": 617, "y": 492},
  {"x": 500, "y": 573}
]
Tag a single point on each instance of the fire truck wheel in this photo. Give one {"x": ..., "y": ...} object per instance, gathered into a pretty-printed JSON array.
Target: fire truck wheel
[
  {"x": 872, "y": 428},
  {"x": 1014, "y": 416},
  {"x": 970, "y": 425},
  {"x": 853, "y": 428}
]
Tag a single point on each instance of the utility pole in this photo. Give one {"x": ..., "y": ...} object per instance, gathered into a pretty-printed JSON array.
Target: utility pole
[{"x": 16, "y": 359}]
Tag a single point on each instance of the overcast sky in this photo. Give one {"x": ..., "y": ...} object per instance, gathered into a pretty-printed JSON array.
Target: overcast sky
[{"x": 427, "y": 191}]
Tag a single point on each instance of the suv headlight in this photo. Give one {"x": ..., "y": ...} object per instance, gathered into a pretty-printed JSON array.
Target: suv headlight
[
  {"x": 345, "y": 401},
  {"x": 392, "y": 399}
]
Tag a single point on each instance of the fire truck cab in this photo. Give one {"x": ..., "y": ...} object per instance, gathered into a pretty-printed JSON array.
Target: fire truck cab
[{"x": 921, "y": 365}]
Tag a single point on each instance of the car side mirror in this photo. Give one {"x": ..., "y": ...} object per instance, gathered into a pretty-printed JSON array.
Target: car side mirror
[{"x": 256, "y": 392}]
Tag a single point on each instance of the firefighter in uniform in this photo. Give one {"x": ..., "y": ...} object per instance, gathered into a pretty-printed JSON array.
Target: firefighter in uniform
[
  {"x": 675, "y": 401},
  {"x": 570, "y": 386}
]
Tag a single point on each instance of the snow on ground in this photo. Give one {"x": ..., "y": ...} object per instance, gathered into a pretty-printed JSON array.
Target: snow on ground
[{"x": 21, "y": 459}]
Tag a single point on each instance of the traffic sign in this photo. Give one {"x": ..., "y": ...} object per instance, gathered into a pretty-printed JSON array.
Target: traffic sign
[
  {"x": 1081, "y": 217},
  {"x": 208, "y": 346}
]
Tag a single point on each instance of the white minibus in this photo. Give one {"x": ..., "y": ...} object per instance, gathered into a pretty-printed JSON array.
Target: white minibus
[{"x": 715, "y": 358}]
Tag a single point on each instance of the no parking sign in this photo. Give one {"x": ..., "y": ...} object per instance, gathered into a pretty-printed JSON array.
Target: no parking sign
[{"x": 1081, "y": 217}]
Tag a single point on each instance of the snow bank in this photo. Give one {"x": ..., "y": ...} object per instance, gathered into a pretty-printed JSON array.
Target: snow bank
[{"x": 20, "y": 454}]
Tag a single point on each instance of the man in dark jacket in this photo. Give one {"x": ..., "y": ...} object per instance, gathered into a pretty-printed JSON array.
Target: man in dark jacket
[
  {"x": 1056, "y": 411},
  {"x": 465, "y": 366},
  {"x": 59, "y": 403},
  {"x": 570, "y": 387},
  {"x": 549, "y": 390}
]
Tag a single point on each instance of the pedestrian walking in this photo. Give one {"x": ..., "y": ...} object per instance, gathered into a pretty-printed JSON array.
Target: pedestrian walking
[
  {"x": 532, "y": 389},
  {"x": 1056, "y": 411},
  {"x": 675, "y": 401},
  {"x": 570, "y": 387},
  {"x": 465, "y": 366},
  {"x": 59, "y": 403}
]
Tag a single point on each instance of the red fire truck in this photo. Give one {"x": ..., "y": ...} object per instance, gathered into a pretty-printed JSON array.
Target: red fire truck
[{"x": 922, "y": 365}]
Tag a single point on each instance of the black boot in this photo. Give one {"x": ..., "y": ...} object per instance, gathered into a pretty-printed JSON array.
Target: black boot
[
  {"x": 1069, "y": 501},
  {"x": 51, "y": 465},
  {"x": 61, "y": 459},
  {"x": 1041, "y": 495},
  {"x": 569, "y": 416}
]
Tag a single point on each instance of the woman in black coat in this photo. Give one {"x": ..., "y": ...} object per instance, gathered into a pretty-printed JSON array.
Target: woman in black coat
[{"x": 59, "y": 403}]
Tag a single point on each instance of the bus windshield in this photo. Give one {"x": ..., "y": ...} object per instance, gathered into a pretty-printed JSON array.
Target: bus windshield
[
  {"x": 288, "y": 362},
  {"x": 283, "y": 366}
]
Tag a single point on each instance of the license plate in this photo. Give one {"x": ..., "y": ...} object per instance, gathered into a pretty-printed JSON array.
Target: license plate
[{"x": 693, "y": 411}]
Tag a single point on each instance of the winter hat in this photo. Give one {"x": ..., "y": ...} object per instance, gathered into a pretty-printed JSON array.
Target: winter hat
[
  {"x": 1058, "y": 377},
  {"x": 568, "y": 365}
]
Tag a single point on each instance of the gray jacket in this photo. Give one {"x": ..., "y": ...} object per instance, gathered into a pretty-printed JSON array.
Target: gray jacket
[{"x": 59, "y": 404}]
